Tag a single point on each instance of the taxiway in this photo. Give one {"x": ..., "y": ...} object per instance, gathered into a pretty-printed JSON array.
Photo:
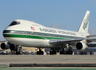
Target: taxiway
[{"x": 47, "y": 59}]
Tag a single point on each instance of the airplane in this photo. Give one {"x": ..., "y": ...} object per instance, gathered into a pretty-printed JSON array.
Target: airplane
[{"x": 28, "y": 33}]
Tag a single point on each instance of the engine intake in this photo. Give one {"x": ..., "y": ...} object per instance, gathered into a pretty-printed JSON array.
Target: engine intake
[
  {"x": 81, "y": 46},
  {"x": 12, "y": 47},
  {"x": 5, "y": 45}
]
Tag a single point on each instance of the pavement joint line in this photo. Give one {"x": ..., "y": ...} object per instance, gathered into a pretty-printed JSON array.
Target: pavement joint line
[{"x": 51, "y": 65}]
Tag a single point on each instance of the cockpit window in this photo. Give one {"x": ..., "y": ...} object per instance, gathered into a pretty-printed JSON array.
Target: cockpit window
[{"x": 14, "y": 23}]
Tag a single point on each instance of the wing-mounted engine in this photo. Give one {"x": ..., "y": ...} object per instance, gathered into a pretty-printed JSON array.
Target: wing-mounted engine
[
  {"x": 5, "y": 45},
  {"x": 12, "y": 47},
  {"x": 81, "y": 46}
]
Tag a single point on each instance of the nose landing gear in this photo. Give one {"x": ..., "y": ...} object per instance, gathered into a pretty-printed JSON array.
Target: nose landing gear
[{"x": 18, "y": 49}]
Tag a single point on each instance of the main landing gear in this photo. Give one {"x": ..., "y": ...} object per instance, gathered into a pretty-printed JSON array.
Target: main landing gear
[
  {"x": 69, "y": 51},
  {"x": 61, "y": 51},
  {"x": 53, "y": 51},
  {"x": 40, "y": 52}
]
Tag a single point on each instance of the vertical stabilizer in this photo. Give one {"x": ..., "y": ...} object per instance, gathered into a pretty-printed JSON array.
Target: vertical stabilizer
[{"x": 85, "y": 23}]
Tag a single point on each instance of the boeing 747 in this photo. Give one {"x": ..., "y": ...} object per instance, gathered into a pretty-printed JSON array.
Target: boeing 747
[{"x": 27, "y": 33}]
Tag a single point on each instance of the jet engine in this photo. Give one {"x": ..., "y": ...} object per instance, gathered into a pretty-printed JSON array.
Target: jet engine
[
  {"x": 81, "y": 46},
  {"x": 12, "y": 47},
  {"x": 5, "y": 45}
]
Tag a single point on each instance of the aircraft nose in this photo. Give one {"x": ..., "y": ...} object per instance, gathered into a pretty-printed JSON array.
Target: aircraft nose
[{"x": 4, "y": 31}]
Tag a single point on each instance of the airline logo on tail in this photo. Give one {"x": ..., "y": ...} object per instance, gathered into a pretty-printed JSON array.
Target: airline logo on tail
[{"x": 85, "y": 25}]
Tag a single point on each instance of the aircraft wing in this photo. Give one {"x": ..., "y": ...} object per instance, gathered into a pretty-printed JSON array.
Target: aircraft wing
[
  {"x": 58, "y": 42},
  {"x": 71, "y": 41},
  {"x": 91, "y": 40},
  {"x": 91, "y": 36}
]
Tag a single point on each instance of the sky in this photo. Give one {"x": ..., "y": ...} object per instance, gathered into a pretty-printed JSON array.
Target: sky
[{"x": 63, "y": 14}]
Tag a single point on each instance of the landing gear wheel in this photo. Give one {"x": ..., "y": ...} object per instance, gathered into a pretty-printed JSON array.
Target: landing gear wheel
[
  {"x": 52, "y": 52},
  {"x": 69, "y": 51},
  {"x": 18, "y": 50},
  {"x": 40, "y": 52},
  {"x": 62, "y": 51}
]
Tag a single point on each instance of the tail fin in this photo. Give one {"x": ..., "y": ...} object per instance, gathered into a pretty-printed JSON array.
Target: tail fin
[{"x": 85, "y": 23}]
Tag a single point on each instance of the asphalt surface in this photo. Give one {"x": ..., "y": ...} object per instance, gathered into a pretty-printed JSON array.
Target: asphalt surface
[
  {"x": 47, "y": 68},
  {"x": 47, "y": 59}
]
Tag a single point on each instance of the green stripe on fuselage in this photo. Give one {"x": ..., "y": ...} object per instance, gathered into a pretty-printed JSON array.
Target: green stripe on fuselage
[
  {"x": 30, "y": 36},
  {"x": 36, "y": 35}
]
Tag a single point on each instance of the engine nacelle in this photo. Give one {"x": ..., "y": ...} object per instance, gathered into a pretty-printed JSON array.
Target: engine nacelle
[
  {"x": 81, "y": 46},
  {"x": 5, "y": 45},
  {"x": 12, "y": 47}
]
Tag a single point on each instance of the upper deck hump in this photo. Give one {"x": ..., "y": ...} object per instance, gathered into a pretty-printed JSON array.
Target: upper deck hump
[{"x": 28, "y": 22}]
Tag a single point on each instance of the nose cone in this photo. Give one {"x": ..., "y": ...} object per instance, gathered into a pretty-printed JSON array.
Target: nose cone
[{"x": 4, "y": 33}]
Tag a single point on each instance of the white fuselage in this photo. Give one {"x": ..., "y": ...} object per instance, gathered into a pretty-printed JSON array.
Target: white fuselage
[{"x": 31, "y": 34}]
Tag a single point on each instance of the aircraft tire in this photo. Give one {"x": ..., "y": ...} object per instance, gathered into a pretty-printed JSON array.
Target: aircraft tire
[
  {"x": 40, "y": 52},
  {"x": 17, "y": 52},
  {"x": 52, "y": 52},
  {"x": 62, "y": 52},
  {"x": 69, "y": 52}
]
